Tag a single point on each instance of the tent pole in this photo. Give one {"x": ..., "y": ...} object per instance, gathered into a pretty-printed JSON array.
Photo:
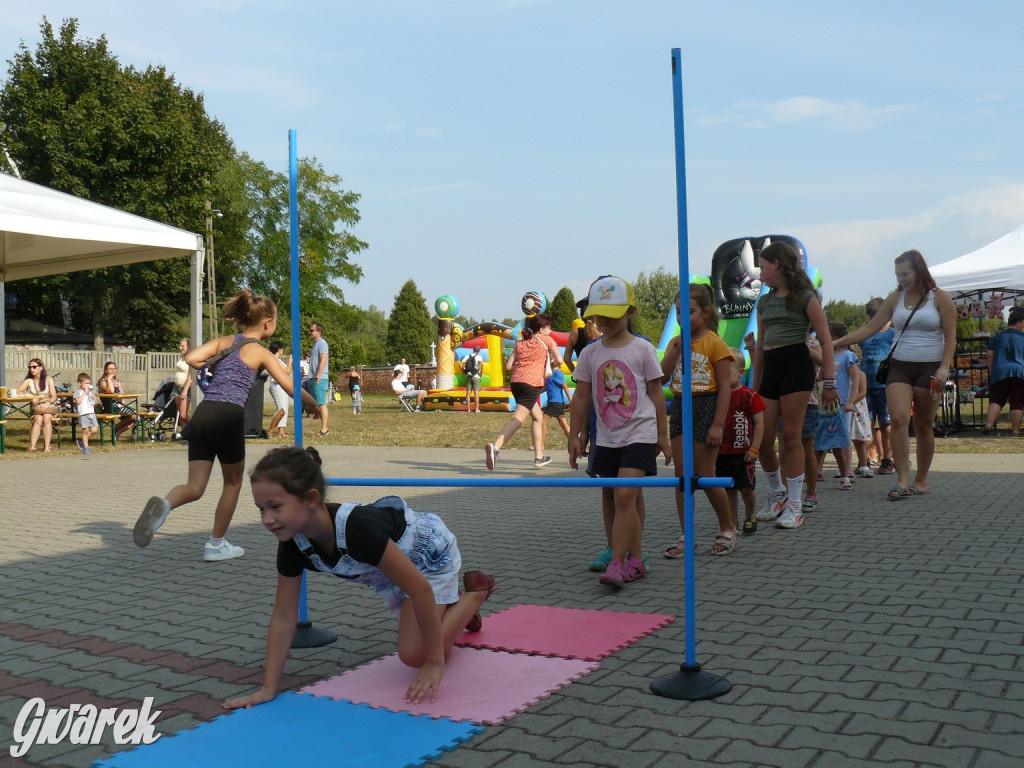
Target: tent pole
[{"x": 196, "y": 313}]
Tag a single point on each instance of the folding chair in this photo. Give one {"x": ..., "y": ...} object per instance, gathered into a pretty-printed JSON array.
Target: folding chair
[{"x": 407, "y": 403}]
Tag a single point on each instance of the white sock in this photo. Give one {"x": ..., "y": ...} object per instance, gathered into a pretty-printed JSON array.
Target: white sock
[
  {"x": 775, "y": 481},
  {"x": 795, "y": 488},
  {"x": 215, "y": 542}
]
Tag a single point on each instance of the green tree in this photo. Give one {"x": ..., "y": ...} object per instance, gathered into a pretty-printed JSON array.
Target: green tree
[
  {"x": 851, "y": 315},
  {"x": 655, "y": 294},
  {"x": 327, "y": 214},
  {"x": 562, "y": 310},
  {"x": 410, "y": 330},
  {"x": 76, "y": 121}
]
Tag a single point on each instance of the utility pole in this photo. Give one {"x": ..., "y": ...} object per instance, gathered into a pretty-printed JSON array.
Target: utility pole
[{"x": 211, "y": 271}]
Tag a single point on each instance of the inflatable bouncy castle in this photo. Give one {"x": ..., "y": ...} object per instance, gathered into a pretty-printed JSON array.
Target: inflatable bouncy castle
[{"x": 494, "y": 340}]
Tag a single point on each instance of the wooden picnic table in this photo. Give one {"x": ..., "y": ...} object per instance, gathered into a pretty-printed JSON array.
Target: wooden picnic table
[{"x": 20, "y": 406}]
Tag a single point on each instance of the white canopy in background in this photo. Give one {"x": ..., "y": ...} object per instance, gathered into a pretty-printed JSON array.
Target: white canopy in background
[
  {"x": 45, "y": 232},
  {"x": 999, "y": 266}
]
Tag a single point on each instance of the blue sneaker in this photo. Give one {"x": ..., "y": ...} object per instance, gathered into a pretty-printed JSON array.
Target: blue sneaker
[
  {"x": 600, "y": 563},
  {"x": 81, "y": 447}
]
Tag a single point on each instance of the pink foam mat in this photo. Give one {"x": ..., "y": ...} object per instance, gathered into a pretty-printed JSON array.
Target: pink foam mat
[
  {"x": 479, "y": 686},
  {"x": 570, "y": 633}
]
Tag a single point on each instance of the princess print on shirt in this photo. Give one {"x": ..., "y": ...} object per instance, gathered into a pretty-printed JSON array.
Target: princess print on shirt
[{"x": 616, "y": 404}]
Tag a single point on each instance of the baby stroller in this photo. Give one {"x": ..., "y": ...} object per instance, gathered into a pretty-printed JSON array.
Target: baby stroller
[{"x": 163, "y": 412}]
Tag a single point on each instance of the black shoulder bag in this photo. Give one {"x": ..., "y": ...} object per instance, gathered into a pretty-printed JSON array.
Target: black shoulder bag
[{"x": 883, "y": 367}]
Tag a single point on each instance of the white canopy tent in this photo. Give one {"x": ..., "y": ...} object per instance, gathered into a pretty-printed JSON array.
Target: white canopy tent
[
  {"x": 45, "y": 232},
  {"x": 999, "y": 266}
]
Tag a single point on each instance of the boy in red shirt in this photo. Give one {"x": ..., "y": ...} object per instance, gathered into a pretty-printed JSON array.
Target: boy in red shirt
[{"x": 744, "y": 426}]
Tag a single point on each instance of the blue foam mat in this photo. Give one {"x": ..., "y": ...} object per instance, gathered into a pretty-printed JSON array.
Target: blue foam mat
[{"x": 295, "y": 729}]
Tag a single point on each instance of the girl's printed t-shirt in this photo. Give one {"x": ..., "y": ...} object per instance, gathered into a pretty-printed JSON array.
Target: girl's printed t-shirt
[
  {"x": 618, "y": 378},
  {"x": 704, "y": 353}
]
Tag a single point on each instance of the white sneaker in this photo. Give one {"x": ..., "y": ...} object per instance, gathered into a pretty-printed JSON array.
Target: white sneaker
[
  {"x": 223, "y": 551},
  {"x": 773, "y": 507},
  {"x": 865, "y": 472},
  {"x": 790, "y": 518},
  {"x": 490, "y": 455},
  {"x": 149, "y": 522}
]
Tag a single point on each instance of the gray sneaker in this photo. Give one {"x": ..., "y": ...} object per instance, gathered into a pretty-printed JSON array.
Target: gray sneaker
[
  {"x": 149, "y": 522},
  {"x": 773, "y": 506}
]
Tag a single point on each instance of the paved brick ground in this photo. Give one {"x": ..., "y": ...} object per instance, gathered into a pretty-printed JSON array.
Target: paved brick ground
[{"x": 879, "y": 634}]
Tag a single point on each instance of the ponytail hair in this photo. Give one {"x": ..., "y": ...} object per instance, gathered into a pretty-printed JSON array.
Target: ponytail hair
[
  {"x": 705, "y": 299},
  {"x": 297, "y": 470},
  {"x": 246, "y": 308},
  {"x": 534, "y": 324}
]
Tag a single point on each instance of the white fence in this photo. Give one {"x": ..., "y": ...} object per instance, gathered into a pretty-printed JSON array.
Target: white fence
[{"x": 138, "y": 373}]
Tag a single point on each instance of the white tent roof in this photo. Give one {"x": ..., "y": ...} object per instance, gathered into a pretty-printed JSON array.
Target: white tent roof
[
  {"x": 997, "y": 266},
  {"x": 44, "y": 232}
]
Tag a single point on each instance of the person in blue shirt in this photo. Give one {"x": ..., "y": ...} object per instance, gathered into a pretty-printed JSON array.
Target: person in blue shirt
[
  {"x": 1006, "y": 372},
  {"x": 875, "y": 349},
  {"x": 558, "y": 399}
]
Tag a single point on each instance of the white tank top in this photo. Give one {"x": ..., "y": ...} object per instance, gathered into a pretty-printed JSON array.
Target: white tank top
[{"x": 922, "y": 341}]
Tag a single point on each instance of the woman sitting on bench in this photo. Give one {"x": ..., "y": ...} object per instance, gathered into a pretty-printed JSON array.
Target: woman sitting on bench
[{"x": 111, "y": 385}]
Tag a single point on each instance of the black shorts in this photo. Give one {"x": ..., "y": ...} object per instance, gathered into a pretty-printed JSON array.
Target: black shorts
[
  {"x": 608, "y": 461},
  {"x": 732, "y": 465},
  {"x": 554, "y": 410},
  {"x": 787, "y": 370},
  {"x": 525, "y": 395},
  {"x": 675, "y": 417},
  {"x": 703, "y": 408},
  {"x": 216, "y": 431}
]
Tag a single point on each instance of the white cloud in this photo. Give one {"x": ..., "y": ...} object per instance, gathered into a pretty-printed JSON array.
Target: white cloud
[
  {"x": 855, "y": 256},
  {"x": 829, "y": 114}
]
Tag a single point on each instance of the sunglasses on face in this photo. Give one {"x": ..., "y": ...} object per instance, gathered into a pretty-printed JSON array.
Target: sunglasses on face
[{"x": 34, "y": 366}]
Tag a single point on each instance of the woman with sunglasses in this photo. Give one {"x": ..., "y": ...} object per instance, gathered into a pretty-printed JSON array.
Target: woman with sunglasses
[{"x": 44, "y": 398}]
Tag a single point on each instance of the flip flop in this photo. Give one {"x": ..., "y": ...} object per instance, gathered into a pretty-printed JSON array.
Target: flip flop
[
  {"x": 913, "y": 490},
  {"x": 896, "y": 493}
]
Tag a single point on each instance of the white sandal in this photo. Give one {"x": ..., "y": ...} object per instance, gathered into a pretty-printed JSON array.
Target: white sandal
[
  {"x": 677, "y": 550},
  {"x": 727, "y": 541}
]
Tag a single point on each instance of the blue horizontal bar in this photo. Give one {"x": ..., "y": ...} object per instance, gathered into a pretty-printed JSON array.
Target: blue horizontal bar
[{"x": 521, "y": 482}]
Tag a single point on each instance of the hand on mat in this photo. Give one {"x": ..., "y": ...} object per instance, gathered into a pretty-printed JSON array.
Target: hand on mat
[
  {"x": 429, "y": 679},
  {"x": 244, "y": 702}
]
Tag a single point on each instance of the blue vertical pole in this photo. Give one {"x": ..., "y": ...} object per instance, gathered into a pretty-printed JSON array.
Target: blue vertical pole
[
  {"x": 690, "y": 683},
  {"x": 293, "y": 223},
  {"x": 684, "y": 329},
  {"x": 306, "y": 635}
]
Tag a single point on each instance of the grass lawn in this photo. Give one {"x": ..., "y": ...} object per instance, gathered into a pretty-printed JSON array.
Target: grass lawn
[{"x": 384, "y": 423}]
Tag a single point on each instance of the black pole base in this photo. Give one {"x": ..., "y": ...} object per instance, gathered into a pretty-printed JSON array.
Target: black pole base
[
  {"x": 690, "y": 684},
  {"x": 308, "y": 636}
]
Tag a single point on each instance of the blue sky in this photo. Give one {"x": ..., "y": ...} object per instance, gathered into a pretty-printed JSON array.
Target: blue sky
[{"x": 517, "y": 145}]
